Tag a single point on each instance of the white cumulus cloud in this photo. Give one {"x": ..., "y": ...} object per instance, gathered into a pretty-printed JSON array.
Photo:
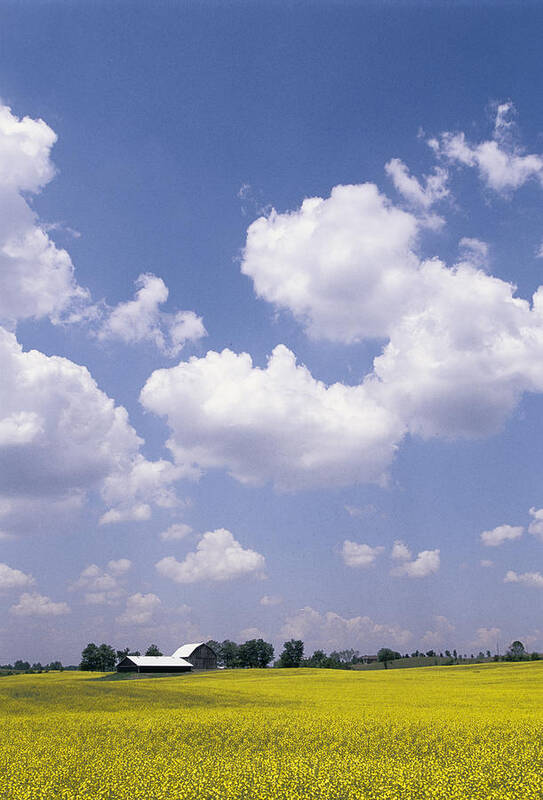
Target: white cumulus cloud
[
  {"x": 400, "y": 551},
  {"x": 342, "y": 265},
  {"x": 426, "y": 563},
  {"x": 441, "y": 632},
  {"x": 140, "y": 609},
  {"x": 359, "y": 555},
  {"x": 276, "y": 424},
  {"x": 536, "y": 525},
  {"x": 424, "y": 196},
  {"x": 331, "y": 631},
  {"x": 529, "y": 578},
  {"x": 103, "y": 586},
  {"x": 63, "y": 437},
  {"x": 218, "y": 557},
  {"x": 175, "y": 532},
  {"x": 36, "y": 277},
  {"x": 501, "y": 534},
  {"x": 141, "y": 320},
  {"x": 38, "y": 605},
  {"x": 502, "y": 163},
  {"x": 11, "y": 578}
]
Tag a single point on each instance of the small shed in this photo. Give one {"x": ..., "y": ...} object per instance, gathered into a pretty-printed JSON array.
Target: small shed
[
  {"x": 153, "y": 664},
  {"x": 200, "y": 655}
]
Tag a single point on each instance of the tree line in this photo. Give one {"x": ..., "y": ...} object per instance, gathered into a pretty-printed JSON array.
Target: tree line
[
  {"x": 258, "y": 653},
  {"x": 37, "y": 666}
]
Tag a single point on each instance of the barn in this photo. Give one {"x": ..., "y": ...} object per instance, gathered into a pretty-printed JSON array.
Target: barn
[
  {"x": 153, "y": 664},
  {"x": 200, "y": 655},
  {"x": 197, "y": 655}
]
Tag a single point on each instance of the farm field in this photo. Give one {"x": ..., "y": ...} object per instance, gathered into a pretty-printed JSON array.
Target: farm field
[{"x": 447, "y": 733}]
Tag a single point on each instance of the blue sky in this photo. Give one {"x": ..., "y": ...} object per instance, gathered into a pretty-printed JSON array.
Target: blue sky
[{"x": 156, "y": 173}]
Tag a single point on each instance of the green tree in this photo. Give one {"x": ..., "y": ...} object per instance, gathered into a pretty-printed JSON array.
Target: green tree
[
  {"x": 90, "y": 657},
  {"x": 153, "y": 650},
  {"x": 255, "y": 653},
  {"x": 106, "y": 658},
  {"x": 317, "y": 659},
  {"x": 293, "y": 652},
  {"x": 229, "y": 654},
  {"x": 265, "y": 653},
  {"x": 385, "y": 655},
  {"x": 516, "y": 651}
]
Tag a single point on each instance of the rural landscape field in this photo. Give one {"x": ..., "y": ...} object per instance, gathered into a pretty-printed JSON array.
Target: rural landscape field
[{"x": 444, "y": 733}]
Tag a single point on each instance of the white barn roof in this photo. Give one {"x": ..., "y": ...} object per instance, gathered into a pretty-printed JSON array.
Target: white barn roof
[
  {"x": 186, "y": 650},
  {"x": 159, "y": 661}
]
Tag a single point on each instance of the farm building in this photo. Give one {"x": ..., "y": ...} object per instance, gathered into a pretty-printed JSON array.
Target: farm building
[
  {"x": 153, "y": 664},
  {"x": 200, "y": 655},
  {"x": 187, "y": 657}
]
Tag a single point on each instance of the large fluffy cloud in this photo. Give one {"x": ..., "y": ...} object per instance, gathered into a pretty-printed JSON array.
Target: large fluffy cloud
[
  {"x": 458, "y": 358},
  {"x": 218, "y": 557},
  {"x": 343, "y": 265},
  {"x": 274, "y": 424},
  {"x": 36, "y": 277},
  {"x": 61, "y": 436}
]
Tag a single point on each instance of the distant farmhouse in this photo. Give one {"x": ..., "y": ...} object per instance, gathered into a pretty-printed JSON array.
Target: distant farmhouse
[{"x": 186, "y": 658}]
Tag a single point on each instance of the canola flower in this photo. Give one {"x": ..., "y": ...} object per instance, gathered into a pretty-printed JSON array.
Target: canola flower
[{"x": 443, "y": 733}]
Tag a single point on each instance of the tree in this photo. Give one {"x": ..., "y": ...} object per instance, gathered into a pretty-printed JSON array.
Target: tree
[
  {"x": 153, "y": 650},
  {"x": 348, "y": 656},
  {"x": 265, "y": 653},
  {"x": 228, "y": 654},
  {"x": 431, "y": 653},
  {"x": 106, "y": 656},
  {"x": 448, "y": 653},
  {"x": 317, "y": 659},
  {"x": 89, "y": 657},
  {"x": 293, "y": 652},
  {"x": 21, "y": 665},
  {"x": 385, "y": 655},
  {"x": 516, "y": 651},
  {"x": 255, "y": 653},
  {"x": 55, "y": 665},
  {"x": 98, "y": 658}
]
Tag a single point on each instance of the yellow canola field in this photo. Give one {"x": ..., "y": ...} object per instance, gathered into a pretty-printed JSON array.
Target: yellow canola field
[{"x": 443, "y": 733}]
